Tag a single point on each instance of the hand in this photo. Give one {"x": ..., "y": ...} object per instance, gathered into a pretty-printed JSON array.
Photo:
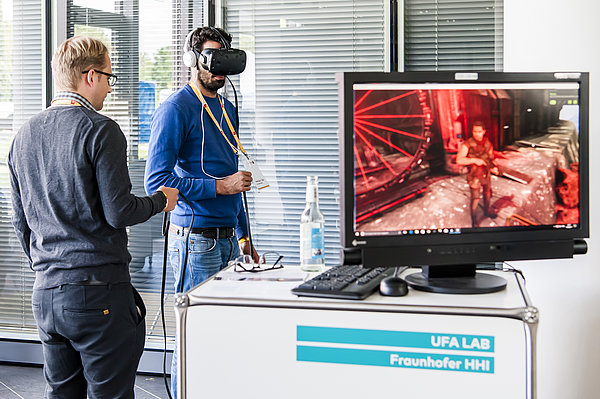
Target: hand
[
  {"x": 478, "y": 161},
  {"x": 172, "y": 195},
  {"x": 495, "y": 171},
  {"x": 245, "y": 247},
  {"x": 235, "y": 183}
]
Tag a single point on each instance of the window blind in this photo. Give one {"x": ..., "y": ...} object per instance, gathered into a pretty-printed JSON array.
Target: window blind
[
  {"x": 20, "y": 98},
  {"x": 441, "y": 35},
  {"x": 288, "y": 104}
]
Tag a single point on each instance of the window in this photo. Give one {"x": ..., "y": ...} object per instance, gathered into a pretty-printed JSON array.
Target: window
[
  {"x": 288, "y": 104},
  {"x": 442, "y": 35},
  {"x": 20, "y": 98}
]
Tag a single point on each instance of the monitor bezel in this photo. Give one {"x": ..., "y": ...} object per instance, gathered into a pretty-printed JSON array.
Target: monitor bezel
[{"x": 347, "y": 80}]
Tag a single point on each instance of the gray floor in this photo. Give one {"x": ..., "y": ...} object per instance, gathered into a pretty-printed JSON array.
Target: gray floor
[{"x": 28, "y": 383}]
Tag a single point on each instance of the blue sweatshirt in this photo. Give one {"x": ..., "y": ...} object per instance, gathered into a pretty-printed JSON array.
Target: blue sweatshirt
[{"x": 187, "y": 151}]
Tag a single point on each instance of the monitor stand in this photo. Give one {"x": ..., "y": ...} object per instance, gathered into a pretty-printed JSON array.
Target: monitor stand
[{"x": 455, "y": 279}]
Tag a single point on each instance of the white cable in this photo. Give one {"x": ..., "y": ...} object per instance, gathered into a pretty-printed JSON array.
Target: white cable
[{"x": 202, "y": 148}]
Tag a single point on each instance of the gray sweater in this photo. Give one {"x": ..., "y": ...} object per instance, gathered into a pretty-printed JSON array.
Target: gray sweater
[{"x": 71, "y": 197}]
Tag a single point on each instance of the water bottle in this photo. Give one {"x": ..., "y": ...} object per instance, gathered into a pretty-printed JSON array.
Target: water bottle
[{"x": 312, "y": 230}]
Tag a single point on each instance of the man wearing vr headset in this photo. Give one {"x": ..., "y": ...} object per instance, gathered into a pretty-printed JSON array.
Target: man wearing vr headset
[{"x": 193, "y": 147}]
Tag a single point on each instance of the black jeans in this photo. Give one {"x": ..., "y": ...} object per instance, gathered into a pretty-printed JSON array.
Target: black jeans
[{"x": 92, "y": 338}]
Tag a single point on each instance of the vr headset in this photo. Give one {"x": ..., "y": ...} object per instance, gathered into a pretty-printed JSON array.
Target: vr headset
[{"x": 223, "y": 61}]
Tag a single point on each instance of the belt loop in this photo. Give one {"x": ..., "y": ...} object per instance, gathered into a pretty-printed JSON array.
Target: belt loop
[{"x": 217, "y": 235}]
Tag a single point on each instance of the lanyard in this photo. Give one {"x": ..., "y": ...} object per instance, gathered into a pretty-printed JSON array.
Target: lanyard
[
  {"x": 65, "y": 102},
  {"x": 209, "y": 112}
]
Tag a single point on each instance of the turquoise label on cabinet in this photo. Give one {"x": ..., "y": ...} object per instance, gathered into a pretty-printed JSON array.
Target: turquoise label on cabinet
[{"x": 345, "y": 340}]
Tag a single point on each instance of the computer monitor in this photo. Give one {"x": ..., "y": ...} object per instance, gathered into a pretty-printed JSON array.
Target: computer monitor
[{"x": 449, "y": 170}]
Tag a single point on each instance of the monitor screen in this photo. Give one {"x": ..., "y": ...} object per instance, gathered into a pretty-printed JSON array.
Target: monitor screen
[{"x": 447, "y": 169}]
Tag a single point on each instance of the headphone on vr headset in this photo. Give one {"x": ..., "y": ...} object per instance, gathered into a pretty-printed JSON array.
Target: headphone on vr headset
[{"x": 222, "y": 61}]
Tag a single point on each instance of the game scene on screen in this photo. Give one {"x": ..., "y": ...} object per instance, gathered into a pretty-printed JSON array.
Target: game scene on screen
[{"x": 456, "y": 160}]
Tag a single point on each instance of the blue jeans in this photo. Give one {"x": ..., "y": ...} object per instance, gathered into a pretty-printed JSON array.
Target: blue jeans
[{"x": 206, "y": 256}]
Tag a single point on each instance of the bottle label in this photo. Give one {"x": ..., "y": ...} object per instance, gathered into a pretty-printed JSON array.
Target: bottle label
[{"x": 312, "y": 242}]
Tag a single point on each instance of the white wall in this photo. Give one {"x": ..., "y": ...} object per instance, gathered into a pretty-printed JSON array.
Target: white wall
[{"x": 552, "y": 35}]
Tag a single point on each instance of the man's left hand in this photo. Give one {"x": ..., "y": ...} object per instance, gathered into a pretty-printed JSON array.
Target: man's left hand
[{"x": 245, "y": 247}]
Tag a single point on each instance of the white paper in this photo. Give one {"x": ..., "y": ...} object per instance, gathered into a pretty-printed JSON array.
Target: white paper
[{"x": 258, "y": 179}]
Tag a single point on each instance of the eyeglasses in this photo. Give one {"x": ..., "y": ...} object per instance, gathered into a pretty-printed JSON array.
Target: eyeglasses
[
  {"x": 269, "y": 260},
  {"x": 112, "y": 79}
]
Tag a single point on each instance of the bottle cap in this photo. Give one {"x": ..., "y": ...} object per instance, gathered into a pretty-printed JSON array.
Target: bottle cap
[{"x": 312, "y": 188}]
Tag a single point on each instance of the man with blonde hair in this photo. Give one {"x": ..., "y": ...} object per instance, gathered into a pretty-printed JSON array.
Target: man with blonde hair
[{"x": 72, "y": 200}]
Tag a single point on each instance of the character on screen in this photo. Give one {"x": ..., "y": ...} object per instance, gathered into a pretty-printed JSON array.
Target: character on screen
[{"x": 478, "y": 154}]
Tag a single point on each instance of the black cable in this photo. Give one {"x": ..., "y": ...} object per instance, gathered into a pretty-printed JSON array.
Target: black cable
[
  {"x": 237, "y": 128},
  {"x": 237, "y": 118},
  {"x": 515, "y": 270},
  {"x": 165, "y": 232},
  {"x": 187, "y": 240},
  {"x": 248, "y": 223}
]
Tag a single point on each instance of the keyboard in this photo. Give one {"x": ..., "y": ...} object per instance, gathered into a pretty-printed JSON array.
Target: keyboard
[{"x": 344, "y": 282}]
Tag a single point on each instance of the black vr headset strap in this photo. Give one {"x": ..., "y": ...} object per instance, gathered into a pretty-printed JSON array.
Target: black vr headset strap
[{"x": 224, "y": 42}]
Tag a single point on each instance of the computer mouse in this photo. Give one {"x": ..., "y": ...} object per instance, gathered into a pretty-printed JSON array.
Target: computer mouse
[{"x": 393, "y": 286}]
